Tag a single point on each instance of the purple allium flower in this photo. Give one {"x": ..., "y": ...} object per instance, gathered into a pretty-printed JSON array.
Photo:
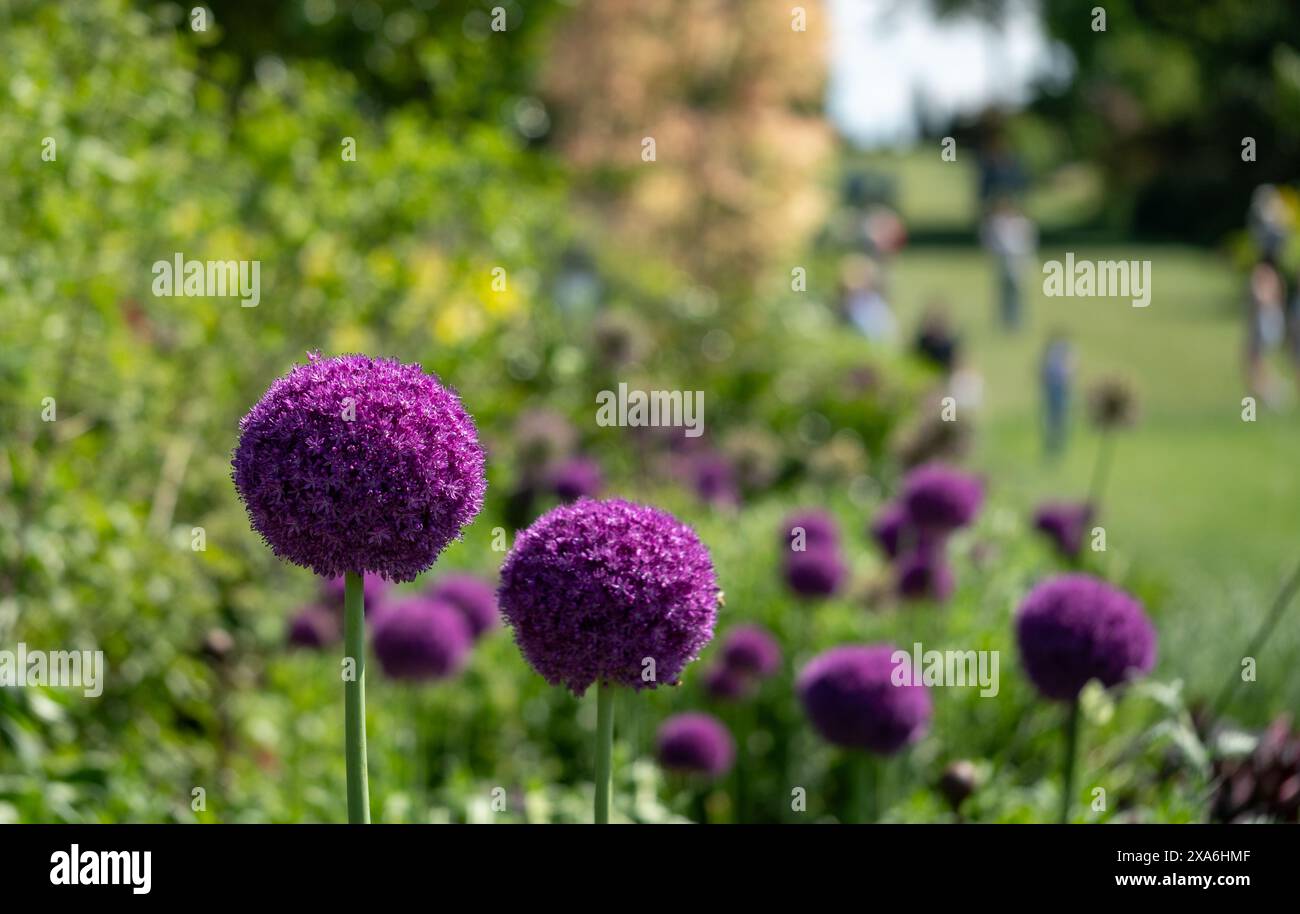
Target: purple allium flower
[
  {"x": 475, "y": 598},
  {"x": 714, "y": 479},
  {"x": 819, "y": 529},
  {"x": 314, "y": 627},
  {"x": 373, "y": 587},
  {"x": 815, "y": 572},
  {"x": 924, "y": 574},
  {"x": 1074, "y": 627},
  {"x": 594, "y": 589},
  {"x": 577, "y": 477},
  {"x": 421, "y": 639},
  {"x": 751, "y": 649},
  {"x": 888, "y": 527},
  {"x": 727, "y": 684},
  {"x": 1065, "y": 524},
  {"x": 850, "y": 696},
  {"x": 696, "y": 744},
  {"x": 359, "y": 464},
  {"x": 939, "y": 498}
]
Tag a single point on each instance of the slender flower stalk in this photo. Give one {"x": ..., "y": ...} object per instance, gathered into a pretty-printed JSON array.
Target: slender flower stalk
[
  {"x": 1101, "y": 469},
  {"x": 866, "y": 786},
  {"x": 1070, "y": 760},
  {"x": 604, "y": 750},
  {"x": 354, "y": 701},
  {"x": 1261, "y": 636}
]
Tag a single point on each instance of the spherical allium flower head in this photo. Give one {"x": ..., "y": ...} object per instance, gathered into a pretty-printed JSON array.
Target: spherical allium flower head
[
  {"x": 1113, "y": 403},
  {"x": 727, "y": 684},
  {"x": 1065, "y": 524},
  {"x": 1074, "y": 627},
  {"x": 595, "y": 589},
  {"x": 359, "y": 464},
  {"x": 314, "y": 627},
  {"x": 924, "y": 574},
  {"x": 751, "y": 649},
  {"x": 818, "y": 527},
  {"x": 475, "y": 598},
  {"x": 421, "y": 639},
  {"x": 937, "y": 497},
  {"x": 577, "y": 477},
  {"x": 888, "y": 528},
  {"x": 815, "y": 572},
  {"x": 850, "y": 696},
  {"x": 714, "y": 479},
  {"x": 373, "y": 589},
  {"x": 696, "y": 744}
]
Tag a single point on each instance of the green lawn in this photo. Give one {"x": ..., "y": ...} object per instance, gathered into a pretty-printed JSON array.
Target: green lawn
[{"x": 1197, "y": 497}]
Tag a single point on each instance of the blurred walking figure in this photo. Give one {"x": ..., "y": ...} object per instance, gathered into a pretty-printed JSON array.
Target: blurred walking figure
[
  {"x": 1266, "y": 327},
  {"x": 1057, "y": 377},
  {"x": 862, "y": 299},
  {"x": 1270, "y": 222},
  {"x": 1012, "y": 238}
]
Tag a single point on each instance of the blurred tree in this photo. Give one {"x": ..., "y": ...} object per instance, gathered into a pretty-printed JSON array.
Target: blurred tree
[
  {"x": 730, "y": 93},
  {"x": 1164, "y": 98}
]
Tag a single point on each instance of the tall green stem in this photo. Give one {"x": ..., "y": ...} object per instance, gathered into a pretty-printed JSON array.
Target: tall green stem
[
  {"x": 1071, "y": 752},
  {"x": 604, "y": 748},
  {"x": 1260, "y": 638},
  {"x": 866, "y": 786},
  {"x": 354, "y": 699},
  {"x": 1101, "y": 471}
]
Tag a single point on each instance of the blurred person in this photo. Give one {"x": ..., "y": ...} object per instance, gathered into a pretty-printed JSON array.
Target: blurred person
[
  {"x": 1265, "y": 328},
  {"x": 1056, "y": 375},
  {"x": 936, "y": 342},
  {"x": 1269, "y": 222},
  {"x": 863, "y": 302},
  {"x": 883, "y": 231},
  {"x": 1012, "y": 238}
]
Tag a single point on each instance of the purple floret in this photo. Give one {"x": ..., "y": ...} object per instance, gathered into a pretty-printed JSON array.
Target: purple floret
[
  {"x": 751, "y": 650},
  {"x": 359, "y": 464},
  {"x": 696, "y": 744},
  {"x": 1065, "y": 524},
  {"x": 475, "y": 598},
  {"x": 850, "y": 696},
  {"x": 314, "y": 627},
  {"x": 421, "y": 639},
  {"x": 814, "y": 573},
  {"x": 1074, "y": 627},
  {"x": 939, "y": 498},
  {"x": 577, "y": 477},
  {"x": 595, "y": 589},
  {"x": 714, "y": 478},
  {"x": 819, "y": 529}
]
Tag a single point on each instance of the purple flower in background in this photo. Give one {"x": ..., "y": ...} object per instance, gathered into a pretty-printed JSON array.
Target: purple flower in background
[
  {"x": 1065, "y": 524},
  {"x": 1074, "y": 627},
  {"x": 359, "y": 464},
  {"x": 374, "y": 589},
  {"x": 939, "y": 498},
  {"x": 714, "y": 479},
  {"x": 595, "y": 589},
  {"x": 924, "y": 574},
  {"x": 815, "y": 572},
  {"x": 888, "y": 527},
  {"x": 696, "y": 744},
  {"x": 577, "y": 477},
  {"x": 850, "y": 696},
  {"x": 421, "y": 639},
  {"x": 314, "y": 627},
  {"x": 726, "y": 684},
  {"x": 475, "y": 598},
  {"x": 751, "y": 650},
  {"x": 819, "y": 529}
]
